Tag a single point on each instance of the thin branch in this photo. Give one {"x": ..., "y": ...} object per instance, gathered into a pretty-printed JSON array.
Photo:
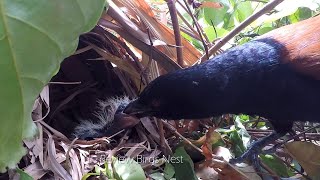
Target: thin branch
[
  {"x": 201, "y": 34},
  {"x": 65, "y": 83},
  {"x": 172, "y": 129},
  {"x": 188, "y": 25},
  {"x": 176, "y": 30}
]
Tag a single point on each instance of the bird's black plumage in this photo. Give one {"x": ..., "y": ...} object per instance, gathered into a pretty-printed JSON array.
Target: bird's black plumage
[
  {"x": 252, "y": 78},
  {"x": 249, "y": 79},
  {"x": 276, "y": 76}
]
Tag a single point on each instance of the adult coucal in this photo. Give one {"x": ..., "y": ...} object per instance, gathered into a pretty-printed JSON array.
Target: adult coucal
[{"x": 276, "y": 76}]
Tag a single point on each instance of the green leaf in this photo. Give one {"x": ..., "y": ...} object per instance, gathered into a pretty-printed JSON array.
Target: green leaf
[
  {"x": 243, "y": 117},
  {"x": 168, "y": 171},
  {"x": 157, "y": 176},
  {"x": 128, "y": 169},
  {"x": 241, "y": 130},
  {"x": 228, "y": 21},
  {"x": 216, "y": 16},
  {"x": 23, "y": 175},
  {"x": 264, "y": 28},
  {"x": 287, "y": 8},
  {"x": 35, "y": 36},
  {"x": 86, "y": 176},
  {"x": 276, "y": 165},
  {"x": 184, "y": 169},
  {"x": 303, "y": 13},
  {"x": 243, "y": 10},
  {"x": 100, "y": 170},
  {"x": 237, "y": 144},
  {"x": 215, "y": 33}
]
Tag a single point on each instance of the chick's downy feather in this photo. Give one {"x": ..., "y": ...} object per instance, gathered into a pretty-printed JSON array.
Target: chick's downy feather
[{"x": 109, "y": 120}]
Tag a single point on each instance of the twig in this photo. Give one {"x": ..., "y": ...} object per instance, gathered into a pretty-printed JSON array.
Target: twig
[
  {"x": 68, "y": 153},
  {"x": 124, "y": 45},
  {"x": 147, "y": 68},
  {"x": 198, "y": 28},
  {"x": 194, "y": 20},
  {"x": 176, "y": 30},
  {"x": 131, "y": 33},
  {"x": 47, "y": 113},
  {"x": 241, "y": 26},
  {"x": 65, "y": 83},
  {"x": 55, "y": 132},
  {"x": 161, "y": 133},
  {"x": 82, "y": 50},
  {"x": 270, "y": 171},
  {"x": 171, "y": 128},
  {"x": 299, "y": 134},
  {"x": 189, "y": 26}
]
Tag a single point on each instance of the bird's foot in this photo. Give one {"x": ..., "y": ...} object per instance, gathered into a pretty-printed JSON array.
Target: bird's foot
[
  {"x": 252, "y": 155},
  {"x": 271, "y": 150}
]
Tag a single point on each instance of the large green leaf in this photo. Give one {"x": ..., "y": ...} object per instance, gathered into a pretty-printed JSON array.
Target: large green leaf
[
  {"x": 216, "y": 16},
  {"x": 35, "y": 36},
  {"x": 128, "y": 169},
  {"x": 243, "y": 10},
  {"x": 183, "y": 165}
]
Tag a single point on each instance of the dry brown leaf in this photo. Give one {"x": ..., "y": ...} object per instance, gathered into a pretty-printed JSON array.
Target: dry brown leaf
[
  {"x": 83, "y": 154},
  {"x": 91, "y": 143},
  {"x": 121, "y": 63},
  {"x": 153, "y": 154},
  {"x": 29, "y": 144},
  {"x": 308, "y": 156},
  {"x": 38, "y": 149},
  {"x": 55, "y": 132},
  {"x": 35, "y": 170},
  {"x": 146, "y": 25},
  {"x": 146, "y": 122},
  {"x": 207, "y": 146},
  {"x": 75, "y": 170},
  {"x": 207, "y": 151},
  {"x": 226, "y": 170},
  {"x": 53, "y": 163},
  {"x": 160, "y": 31},
  {"x": 206, "y": 173},
  {"x": 44, "y": 95},
  {"x": 210, "y": 137},
  {"x": 222, "y": 152},
  {"x": 151, "y": 67},
  {"x": 36, "y": 145},
  {"x": 116, "y": 12},
  {"x": 136, "y": 150},
  {"x": 208, "y": 4},
  {"x": 193, "y": 125},
  {"x": 36, "y": 104},
  {"x": 250, "y": 172}
]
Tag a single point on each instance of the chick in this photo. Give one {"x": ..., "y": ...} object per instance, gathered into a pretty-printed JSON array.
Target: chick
[{"x": 110, "y": 120}]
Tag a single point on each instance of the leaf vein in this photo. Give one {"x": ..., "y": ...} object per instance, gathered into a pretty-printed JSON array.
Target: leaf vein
[{"x": 39, "y": 30}]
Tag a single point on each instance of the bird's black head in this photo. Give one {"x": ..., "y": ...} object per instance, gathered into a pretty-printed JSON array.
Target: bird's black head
[
  {"x": 153, "y": 101},
  {"x": 170, "y": 96}
]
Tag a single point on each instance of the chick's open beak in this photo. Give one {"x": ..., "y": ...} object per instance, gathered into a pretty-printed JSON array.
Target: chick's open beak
[{"x": 136, "y": 108}]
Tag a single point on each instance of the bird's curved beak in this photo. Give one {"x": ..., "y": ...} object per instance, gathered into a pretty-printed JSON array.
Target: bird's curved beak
[{"x": 136, "y": 108}]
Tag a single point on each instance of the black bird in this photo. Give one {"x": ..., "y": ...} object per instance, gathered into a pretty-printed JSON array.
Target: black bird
[{"x": 275, "y": 76}]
